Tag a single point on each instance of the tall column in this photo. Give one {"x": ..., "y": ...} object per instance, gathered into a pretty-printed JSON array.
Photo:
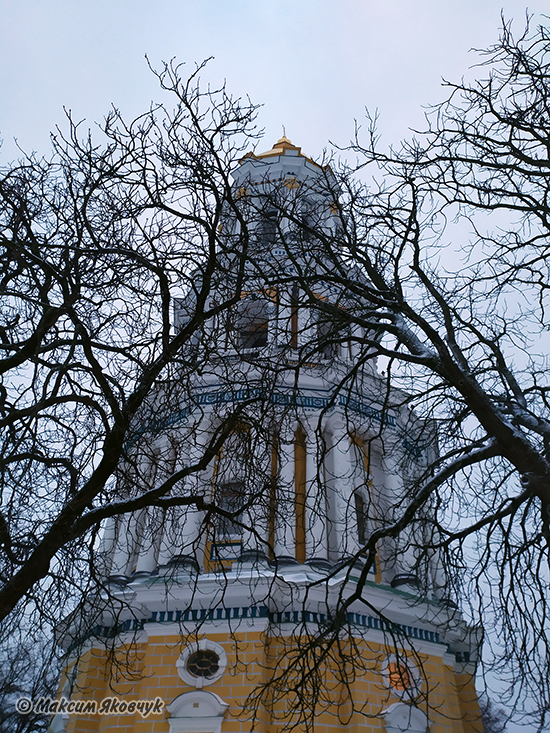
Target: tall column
[
  {"x": 181, "y": 535},
  {"x": 154, "y": 469},
  {"x": 368, "y": 504},
  {"x": 149, "y": 531},
  {"x": 167, "y": 548},
  {"x": 143, "y": 477},
  {"x": 182, "y": 525},
  {"x": 340, "y": 470},
  {"x": 355, "y": 349},
  {"x": 316, "y": 524},
  {"x": 125, "y": 546},
  {"x": 108, "y": 542},
  {"x": 438, "y": 575},
  {"x": 285, "y": 509},
  {"x": 287, "y": 319},
  {"x": 255, "y": 536},
  {"x": 403, "y": 550}
]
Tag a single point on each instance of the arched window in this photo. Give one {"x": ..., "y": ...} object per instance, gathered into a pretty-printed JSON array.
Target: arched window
[{"x": 251, "y": 321}]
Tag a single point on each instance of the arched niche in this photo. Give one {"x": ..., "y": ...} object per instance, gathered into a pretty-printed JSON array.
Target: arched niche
[
  {"x": 251, "y": 318},
  {"x": 197, "y": 712},
  {"x": 401, "y": 717}
]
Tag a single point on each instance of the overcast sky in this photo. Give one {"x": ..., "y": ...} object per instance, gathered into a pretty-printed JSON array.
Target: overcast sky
[{"x": 314, "y": 64}]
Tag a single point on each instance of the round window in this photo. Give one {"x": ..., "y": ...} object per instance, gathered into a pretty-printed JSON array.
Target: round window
[{"x": 203, "y": 663}]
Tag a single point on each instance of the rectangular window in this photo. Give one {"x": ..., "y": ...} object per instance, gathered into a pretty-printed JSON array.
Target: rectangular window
[
  {"x": 326, "y": 339},
  {"x": 253, "y": 335},
  {"x": 230, "y": 499},
  {"x": 268, "y": 227},
  {"x": 251, "y": 319}
]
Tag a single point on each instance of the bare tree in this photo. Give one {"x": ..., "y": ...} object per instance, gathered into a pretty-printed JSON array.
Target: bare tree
[
  {"x": 96, "y": 244},
  {"x": 29, "y": 669},
  {"x": 99, "y": 243},
  {"x": 494, "y": 719},
  {"x": 462, "y": 329}
]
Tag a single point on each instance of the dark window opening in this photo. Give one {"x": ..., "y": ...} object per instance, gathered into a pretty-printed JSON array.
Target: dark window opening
[
  {"x": 268, "y": 227},
  {"x": 254, "y": 335},
  {"x": 328, "y": 348},
  {"x": 306, "y": 228},
  {"x": 231, "y": 499},
  {"x": 361, "y": 518},
  {"x": 294, "y": 317},
  {"x": 203, "y": 663},
  {"x": 252, "y": 318}
]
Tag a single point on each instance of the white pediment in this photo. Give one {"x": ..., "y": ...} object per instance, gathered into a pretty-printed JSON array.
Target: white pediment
[
  {"x": 197, "y": 712},
  {"x": 401, "y": 717}
]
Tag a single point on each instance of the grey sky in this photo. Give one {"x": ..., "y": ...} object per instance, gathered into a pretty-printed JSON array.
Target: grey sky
[{"x": 315, "y": 64}]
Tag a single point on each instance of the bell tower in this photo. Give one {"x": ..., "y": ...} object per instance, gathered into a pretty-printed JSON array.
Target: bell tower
[{"x": 250, "y": 600}]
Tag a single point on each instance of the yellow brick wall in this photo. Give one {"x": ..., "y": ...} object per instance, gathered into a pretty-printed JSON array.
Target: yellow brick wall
[
  {"x": 469, "y": 703},
  {"x": 251, "y": 660}
]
